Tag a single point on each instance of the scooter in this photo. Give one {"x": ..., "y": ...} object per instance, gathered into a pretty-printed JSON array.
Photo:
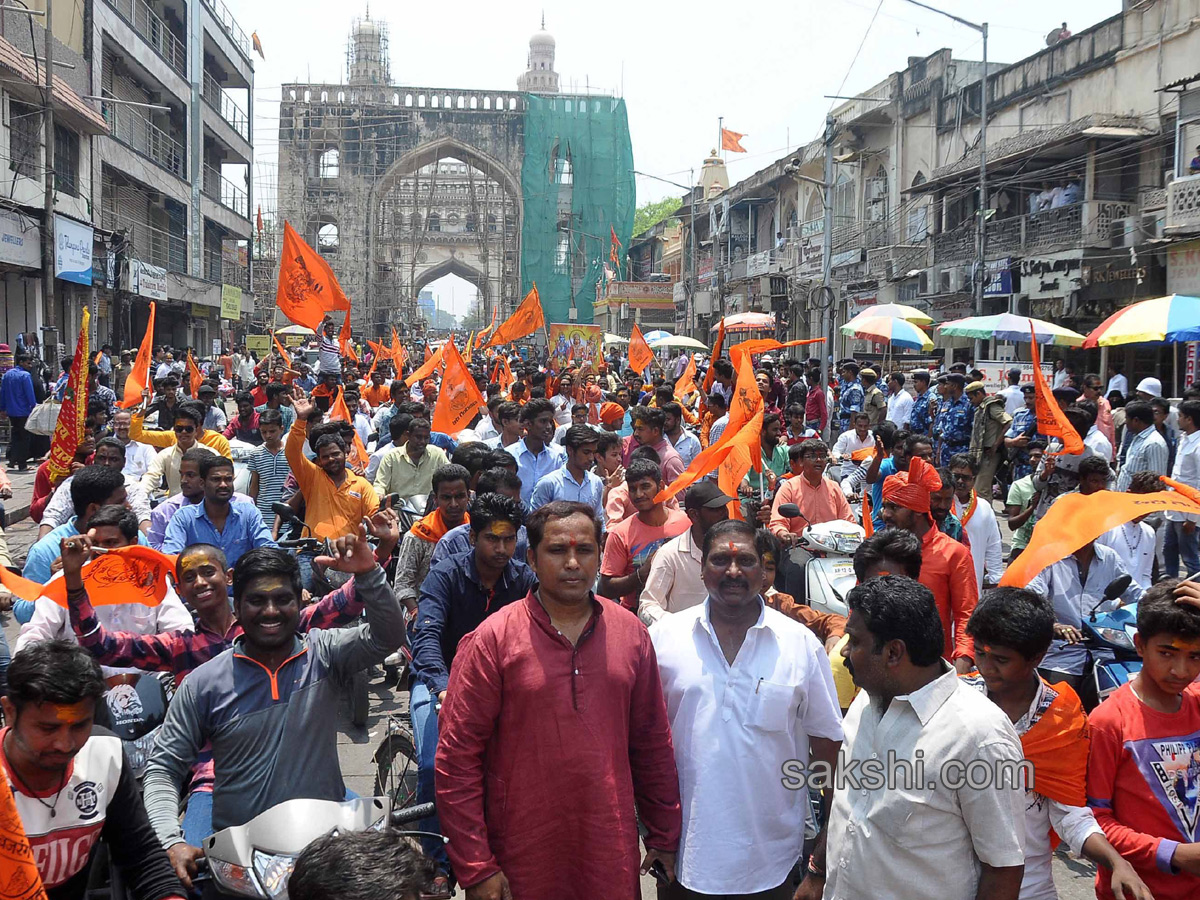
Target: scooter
[
  {"x": 256, "y": 859},
  {"x": 823, "y": 556},
  {"x": 1108, "y": 636}
]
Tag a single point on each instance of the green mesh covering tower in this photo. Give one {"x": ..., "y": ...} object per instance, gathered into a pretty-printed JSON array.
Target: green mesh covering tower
[{"x": 577, "y": 186}]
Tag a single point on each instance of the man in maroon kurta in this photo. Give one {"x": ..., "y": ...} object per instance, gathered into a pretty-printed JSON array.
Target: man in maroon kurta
[{"x": 553, "y": 729}]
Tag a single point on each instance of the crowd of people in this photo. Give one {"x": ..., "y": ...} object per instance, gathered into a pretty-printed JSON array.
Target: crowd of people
[{"x": 607, "y": 682}]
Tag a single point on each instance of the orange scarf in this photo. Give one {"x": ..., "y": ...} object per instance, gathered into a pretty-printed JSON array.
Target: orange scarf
[
  {"x": 970, "y": 511},
  {"x": 433, "y": 528},
  {"x": 1057, "y": 745}
]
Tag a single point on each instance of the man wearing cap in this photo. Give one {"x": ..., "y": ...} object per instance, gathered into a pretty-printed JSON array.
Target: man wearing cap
[
  {"x": 956, "y": 415},
  {"x": 874, "y": 402},
  {"x": 1021, "y": 431},
  {"x": 946, "y": 565},
  {"x": 924, "y": 407},
  {"x": 215, "y": 418},
  {"x": 819, "y": 498},
  {"x": 1013, "y": 398},
  {"x": 674, "y": 582},
  {"x": 987, "y": 436},
  {"x": 850, "y": 394}
]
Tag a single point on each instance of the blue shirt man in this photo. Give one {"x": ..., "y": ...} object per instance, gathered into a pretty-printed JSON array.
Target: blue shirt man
[
  {"x": 850, "y": 400},
  {"x": 534, "y": 453},
  {"x": 16, "y": 392},
  {"x": 1024, "y": 424},
  {"x": 458, "y": 540},
  {"x": 955, "y": 418},
  {"x": 919, "y": 419},
  {"x": 573, "y": 481},
  {"x": 234, "y": 527}
]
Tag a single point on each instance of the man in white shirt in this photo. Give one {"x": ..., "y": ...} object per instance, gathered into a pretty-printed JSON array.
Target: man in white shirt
[
  {"x": 1014, "y": 398},
  {"x": 978, "y": 519},
  {"x": 110, "y": 453},
  {"x": 674, "y": 583},
  {"x": 1012, "y": 628},
  {"x": 1180, "y": 538},
  {"x": 749, "y": 693},
  {"x": 926, "y": 834},
  {"x": 857, "y": 438},
  {"x": 563, "y": 401},
  {"x": 138, "y": 456},
  {"x": 1116, "y": 382},
  {"x": 899, "y": 401}
]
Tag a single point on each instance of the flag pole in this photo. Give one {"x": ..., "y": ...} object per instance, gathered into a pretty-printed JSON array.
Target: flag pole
[{"x": 721, "y": 136}]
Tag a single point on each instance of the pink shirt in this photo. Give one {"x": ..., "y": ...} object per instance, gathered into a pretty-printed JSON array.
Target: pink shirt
[
  {"x": 821, "y": 503},
  {"x": 631, "y": 542}
]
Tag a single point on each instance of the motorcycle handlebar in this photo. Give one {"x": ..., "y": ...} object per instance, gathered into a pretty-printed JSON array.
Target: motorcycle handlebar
[{"x": 412, "y": 813}]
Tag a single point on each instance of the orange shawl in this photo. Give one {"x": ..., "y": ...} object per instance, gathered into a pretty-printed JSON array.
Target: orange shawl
[
  {"x": 1057, "y": 745},
  {"x": 432, "y": 528}
]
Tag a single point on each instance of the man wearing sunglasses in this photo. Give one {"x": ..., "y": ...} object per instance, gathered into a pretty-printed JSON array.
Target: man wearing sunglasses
[{"x": 188, "y": 432}]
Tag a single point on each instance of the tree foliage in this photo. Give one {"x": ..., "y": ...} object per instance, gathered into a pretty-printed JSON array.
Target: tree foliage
[{"x": 652, "y": 212}]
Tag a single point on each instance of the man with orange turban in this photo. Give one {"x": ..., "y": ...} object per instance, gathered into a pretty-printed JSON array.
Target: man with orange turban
[
  {"x": 612, "y": 415},
  {"x": 947, "y": 568}
]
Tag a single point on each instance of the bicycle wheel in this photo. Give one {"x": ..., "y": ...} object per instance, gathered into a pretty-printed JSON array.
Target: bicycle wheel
[
  {"x": 396, "y": 768},
  {"x": 360, "y": 700}
]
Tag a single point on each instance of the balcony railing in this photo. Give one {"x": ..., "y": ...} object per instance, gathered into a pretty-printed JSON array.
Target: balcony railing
[
  {"x": 222, "y": 14},
  {"x": 1081, "y": 224},
  {"x": 222, "y": 104},
  {"x": 147, "y": 243},
  {"x": 132, "y": 127},
  {"x": 1183, "y": 205},
  {"x": 147, "y": 23},
  {"x": 218, "y": 187},
  {"x": 219, "y": 270}
]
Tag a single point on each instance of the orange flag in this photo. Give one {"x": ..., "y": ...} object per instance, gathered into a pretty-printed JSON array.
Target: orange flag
[
  {"x": 710, "y": 376},
  {"x": 525, "y": 320},
  {"x": 687, "y": 381},
  {"x": 746, "y": 405},
  {"x": 339, "y": 412},
  {"x": 732, "y": 141},
  {"x": 283, "y": 354},
  {"x": 432, "y": 361},
  {"x": 640, "y": 354},
  {"x": 371, "y": 369},
  {"x": 378, "y": 349},
  {"x": 1075, "y": 519},
  {"x": 398, "y": 348},
  {"x": 470, "y": 347},
  {"x": 745, "y": 453},
  {"x": 459, "y": 399},
  {"x": 308, "y": 289},
  {"x": 109, "y": 579},
  {"x": 139, "y": 379},
  {"x": 400, "y": 357},
  {"x": 765, "y": 345},
  {"x": 346, "y": 339},
  {"x": 1051, "y": 420},
  {"x": 195, "y": 379},
  {"x": 19, "y": 875},
  {"x": 479, "y": 337},
  {"x": 502, "y": 374},
  {"x": 72, "y": 416}
]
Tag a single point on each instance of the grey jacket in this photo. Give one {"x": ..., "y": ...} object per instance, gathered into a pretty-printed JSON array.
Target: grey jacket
[{"x": 273, "y": 735}]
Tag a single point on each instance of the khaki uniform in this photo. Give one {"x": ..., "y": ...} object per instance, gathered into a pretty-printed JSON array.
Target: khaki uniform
[{"x": 991, "y": 423}]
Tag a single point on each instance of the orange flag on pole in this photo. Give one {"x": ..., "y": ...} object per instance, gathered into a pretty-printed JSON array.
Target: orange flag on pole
[
  {"x": 459, "y": 398},
  {"x": 432, "y": 361},
  {"x": 745, "y": 453},
  {"x": 109, "y": 579},
  {"x": 19, "y": 875},
  {"x": 346, "y": 339},
  {"x": 139, "y": 378},
  {"x": 470, "y": 348},
  {"x": 398, "y": 348},
  {"x": 687, "y": 381},
  {"x": 308, "y": 289},
  {"x": 285, "y": 357},
  {"x": 1051, "y": 420},
  {"x": 479, "y": 337},
  {"x": 502, "y": 374},
  {"x": 72, "y": 416},
  {"x": 765, "y": 345},
  {"x": 195, "y": 379},
  {"x": 732, "y": 141},
  {"x": 525, "y": 320},
  {"x": 710, "y": 376},
  {"x": 747, "y": 404},
  {"x": 339, "y": 412},
  {"x": 640, "y": 354}
]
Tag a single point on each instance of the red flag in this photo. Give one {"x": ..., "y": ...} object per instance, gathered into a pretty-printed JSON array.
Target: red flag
[
  {"x": 72, "y": 416},
  {"x": 1051, "y": 420},
  {"x": 139, "y": 378},
  {"x": 195, "y": 379},
  {"x": 525, "y": 320},
  {"x": 307, "y": 288},
  {"x": 640, "y": 354},
  {"x": 339, "y": 412},
  {"x": 459, "y": 398},
  {"x": 731, "y": 141}
]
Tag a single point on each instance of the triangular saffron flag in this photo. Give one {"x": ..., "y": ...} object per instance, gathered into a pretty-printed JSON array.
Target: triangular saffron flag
[
  {"x": 687, "y": 381},
  {"x": 139, "y": 377},
  {"x": 459, "y": 398},
  {"x": 640, "y": 354},
  {"x": 710, "y": 376},
  {"x": 1051, "y": 420},
  {"x": 339, "y": 412},
  {"x": 525, "y": 320},
  {"x": 308, "y": 289},
  {"x": 432, "y": 361},
  {"x": 195, "y": 379},
  {"x": 19, "y": 874}
]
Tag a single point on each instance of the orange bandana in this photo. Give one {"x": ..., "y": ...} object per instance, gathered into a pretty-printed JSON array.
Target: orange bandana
[
  {"x": 433, "y": 528},
  {"x": 911, "y": 489}
]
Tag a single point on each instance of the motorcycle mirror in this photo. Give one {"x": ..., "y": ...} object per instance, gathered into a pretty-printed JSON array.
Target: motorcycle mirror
[
  {"x": 1117, "y": 587},
  {"x": 284, "y": 511},
  {"x": 789, "y": 511}
]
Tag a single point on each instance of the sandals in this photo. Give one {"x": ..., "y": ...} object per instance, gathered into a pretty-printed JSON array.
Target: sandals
[{"x": 439, "y": 888}]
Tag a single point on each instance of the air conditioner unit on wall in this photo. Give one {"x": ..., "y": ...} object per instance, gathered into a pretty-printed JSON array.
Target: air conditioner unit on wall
[
  {"x": 1124, "y": 232},
  {"x": 950, "y": 280},
  {"x": 1152, "y": 225},
  {"x": 923, "y": 284}
]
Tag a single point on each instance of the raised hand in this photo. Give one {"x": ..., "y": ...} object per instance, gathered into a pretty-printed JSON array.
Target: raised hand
[{"x": 351, "y": 554}]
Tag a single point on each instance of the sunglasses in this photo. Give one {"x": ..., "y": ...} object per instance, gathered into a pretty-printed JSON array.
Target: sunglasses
[{"x": 184, "y": 429}]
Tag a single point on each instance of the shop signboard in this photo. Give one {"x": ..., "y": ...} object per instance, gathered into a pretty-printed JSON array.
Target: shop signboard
[
  {"x": 1183, "y": 269},
  {"x": 20, "y": 240},
  {"x": 1054, "y": 275},
  {"x": 231, "y": 301},
  {"x": 995, "y": 372},
  {"x": 151, "y": 281},
  {"x": 72, "y": 251}
]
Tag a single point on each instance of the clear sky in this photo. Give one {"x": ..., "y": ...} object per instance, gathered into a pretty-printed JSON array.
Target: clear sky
[{"x": 764, "y": 64}]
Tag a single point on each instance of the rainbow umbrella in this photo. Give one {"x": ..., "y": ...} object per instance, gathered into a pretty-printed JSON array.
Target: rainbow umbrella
[
  {"x": 1169, "y": 320},
  {"x": 747, "y": 321},
  {"x": 1007, "y": 327},
  {"x": 896, "y": 311},
  {"x": 887, "y": 330}
]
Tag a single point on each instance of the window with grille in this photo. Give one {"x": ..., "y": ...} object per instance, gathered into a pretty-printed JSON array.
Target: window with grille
[
  {"x": 24, "y": 148},
  {"x": 66, "y": 160}
]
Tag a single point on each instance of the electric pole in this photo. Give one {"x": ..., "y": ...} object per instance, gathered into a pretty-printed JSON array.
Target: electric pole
[{"x": 48, "y": 239}]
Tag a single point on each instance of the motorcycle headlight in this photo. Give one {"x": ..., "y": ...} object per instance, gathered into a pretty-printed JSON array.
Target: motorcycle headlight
[
  {"x": 1116, "y": 637},
  {"x": 234, "y": 878},
  {"x": 273, "y": 872}
]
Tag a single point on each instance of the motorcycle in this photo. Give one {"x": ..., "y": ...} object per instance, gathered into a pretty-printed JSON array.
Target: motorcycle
[
  {"x": 256, "y": 859},
  {"x": 821, "y": 570},
  {"x": 1108, "y": 637},
  {"x": 135, "y": 706}
]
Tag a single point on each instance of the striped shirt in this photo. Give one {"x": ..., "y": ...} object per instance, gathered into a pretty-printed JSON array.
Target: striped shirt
[
  {"x": 1147, "y": 453},
  {"x": 273, "y": 470}
]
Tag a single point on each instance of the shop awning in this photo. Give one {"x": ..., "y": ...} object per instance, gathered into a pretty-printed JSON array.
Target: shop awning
[{"x": 68, "y": 105}]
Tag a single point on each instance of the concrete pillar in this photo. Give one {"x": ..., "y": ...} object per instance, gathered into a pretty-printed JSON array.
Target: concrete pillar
[{"x": 195, "y": 56}]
